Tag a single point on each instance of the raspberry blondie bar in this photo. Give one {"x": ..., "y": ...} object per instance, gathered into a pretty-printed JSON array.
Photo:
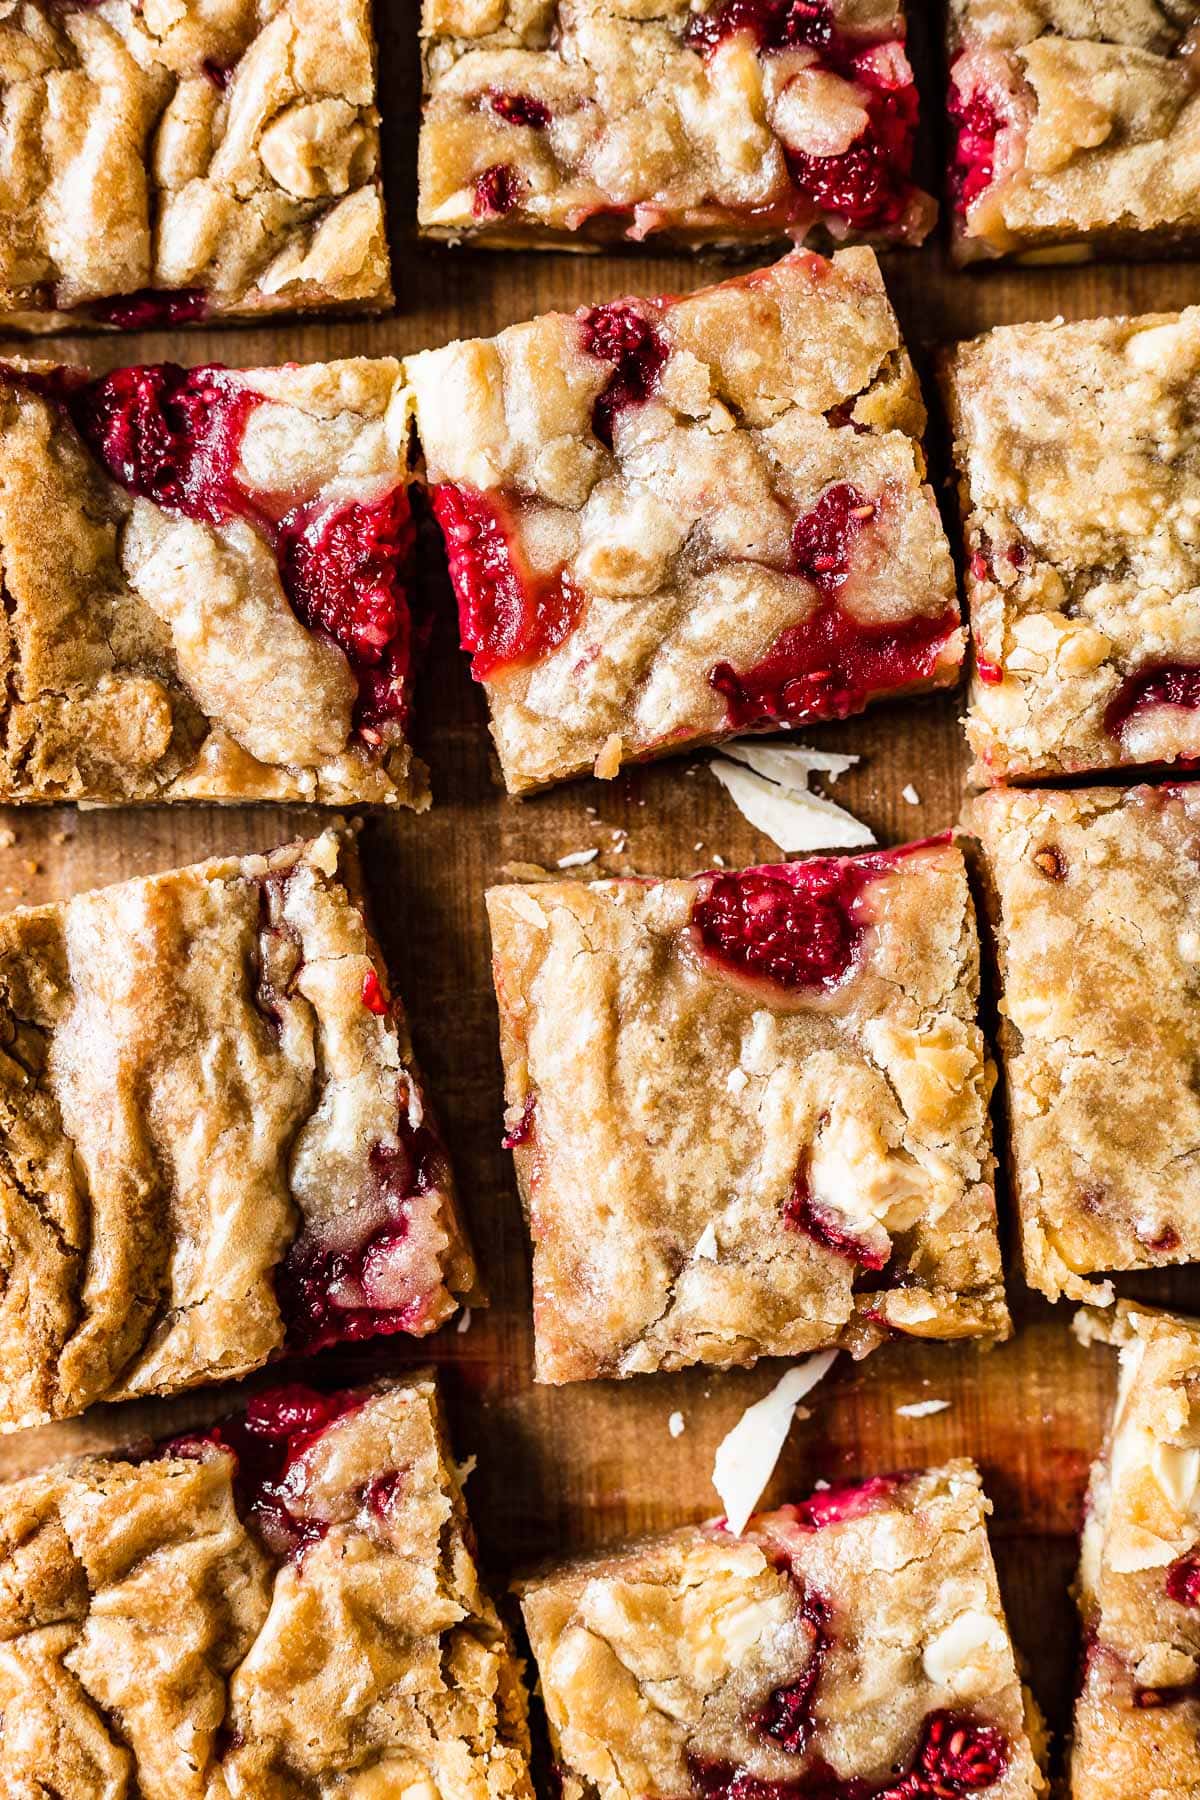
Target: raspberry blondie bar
[
  {"x": 284, "y": 1605},
  {"x": 214, "y": 1141},
  {"x": 1137, "y": 1718},
  {"x": 670, "y": 521},
  {"x": 1097, "y": 903},
  {"x": 851, "y": 1647},
  {"x": 161, "y": 164},
  {"x": 220, "y": 609},
  {"x": 1077, "y": 127},
  {"x": 749, "y": 1111},
  {"x": 1079, "y": 453},
  {"x": 577, "y": 122}
]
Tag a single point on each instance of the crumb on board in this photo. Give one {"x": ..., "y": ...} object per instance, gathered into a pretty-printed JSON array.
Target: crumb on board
[
  {"x": 675, "y": 1424},
  {"x": 746, "y": 1456},
  {"x": 921, "y": 1409},
  {"x": 8, "y": 838},
  {"x": 464, "y": 1323},
  {"x": 575, "y": 859},
  {"x": 910, "y": 794}
]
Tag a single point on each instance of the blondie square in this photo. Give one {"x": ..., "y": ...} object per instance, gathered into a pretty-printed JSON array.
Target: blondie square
[
  {"x": 1078, "y": 451},
  {"x": 575, "y": 122},
  {"x": 213, "y": 1140},
  {"x": 1096, "y": 896},
  {"x": 749, "y": 1111},
  {"x": 221, "y": 610},
  {"x": 671, "y": 521},
  {"x": 283, "y": 1606},
  {"x": 852, "y": 1645},
  {"x": 1077, "y": 127},
  {"x": 162, "y": 163},
  {"x": 1137, "y": 1717}
]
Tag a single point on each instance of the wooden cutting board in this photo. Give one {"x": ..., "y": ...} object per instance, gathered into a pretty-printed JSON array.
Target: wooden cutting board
[{"x": 563, "y": 1469}]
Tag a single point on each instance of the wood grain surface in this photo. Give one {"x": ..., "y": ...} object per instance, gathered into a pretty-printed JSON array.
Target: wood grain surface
[{"x": 562, "y": 1469}]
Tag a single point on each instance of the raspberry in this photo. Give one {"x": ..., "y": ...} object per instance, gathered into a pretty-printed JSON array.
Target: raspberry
[
  {"x": 870, "y": 184},
  {"x": 150, "y": 309},
  {"x": 519, "y": 109},
  {"x": 345, "y": 573},
  {"x": 823, "y": 539},
  {"x": 1183, "y": 1580},
  {"x": 373, "y": 996},
  {"x": 619, "y": 335},
  {"x": 1157, "y": 684},
  {"x": 955, "y": 1756},
  {"x": 787, "y": 1716},
  {"x": 507, "y": 616},
  {"x": 334, "y": 1291},
  {"x": 497, "y": 190},
  {"x": 790, "y": 925},
  {"x": 169, "y": 434},
  {"x": 979, "y": 123},
  {"x": 777, "y": 24}
]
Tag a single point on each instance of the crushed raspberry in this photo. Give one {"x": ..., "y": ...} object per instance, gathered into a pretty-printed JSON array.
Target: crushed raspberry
[
  {"x": 1183, "y": 1580},
  {"x": 346, "y": 574},
  {"x": 267, "y": 1440},
  {"x": 804, "y": 1214},
  {"x": 522, "y": 1131},
  {"x": 777, "y": 24},
  {"x": 519, "y": 109},
  {"x": 831, "y": 665},
  {"x": 1159, "y": 684},
  {"x": 497, "y": 190},
  {"x": 381, "y": 1495},
  {"x": 978, "y": 125},
  {"x": 334, "y": 1287},
  {"x": 835, "y": 1505},
  {"x": 981, "y": 567},
  {"x": 823, "y": 539},
  {"x": 171, "y": 435},
  {"x": 373, "y": 996},
  {"x": 151, "y": 308},
  {"x": 620, "y": 335},
  {"x": 507, "y": 615},
  {"x": 787, "y": 1716},
  {"x": 955, "y": 1756},
  {"x": 174, "y": 436},
  {"x": 791, "y": 925},
  {"x": 870, "y": 184}
]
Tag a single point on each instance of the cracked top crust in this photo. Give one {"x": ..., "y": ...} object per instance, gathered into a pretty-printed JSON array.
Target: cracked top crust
[
  {"x": 1078, "y": 449},
  {"x": 830, "y": 1640},
  {"x": 547, "y": 122},
  {"x": 1098, "y": 925},
  {"x": 719, "y": 1165},
  {"x": 169, "y": 160},
  {"x": 212, "y": 1136},
  {"x": 1078, "y": 124},
  {"x": 222, "y": 610},
  {"x": 155, "y": 1646},
  {"x": 673, "y": 520},
  {"x": 1137, "y": 1717}
]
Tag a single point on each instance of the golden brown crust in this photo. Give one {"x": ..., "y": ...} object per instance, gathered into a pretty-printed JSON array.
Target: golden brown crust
[
  {"x": 1077, "y": 448},
  {"x": 148, "y": 655},
  {"x": 658, "y": 1662},
  {"x": 677, "y": 541},
  {"x": 1098, "y": 932},
  {"x": 1137, "y": 1717},
  {"x": 1098, "y": 140},
  {"x": 664, "y": 1116},
  {"x": 154, "y": 1644},
  {"x": 640, "y": 132},
  {"x": 226, "y": 151},
  {"x": 194, "y": 1098}
]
